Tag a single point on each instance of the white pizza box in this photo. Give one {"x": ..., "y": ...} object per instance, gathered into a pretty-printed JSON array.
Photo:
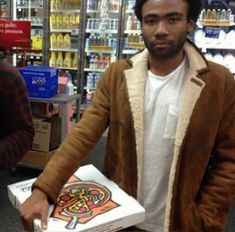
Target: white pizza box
[
  {"x": 18, "y": 192},
  {"x": 88, "y": 202}
]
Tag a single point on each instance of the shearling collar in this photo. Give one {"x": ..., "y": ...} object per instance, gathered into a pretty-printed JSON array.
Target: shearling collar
[{"x": 196, "y": 60}]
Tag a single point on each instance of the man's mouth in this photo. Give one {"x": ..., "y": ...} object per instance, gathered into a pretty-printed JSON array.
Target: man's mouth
[{"x": 161, "y": 44}]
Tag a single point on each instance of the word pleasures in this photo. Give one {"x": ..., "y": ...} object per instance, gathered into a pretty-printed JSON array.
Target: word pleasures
[{"x": 14, "y": 33}]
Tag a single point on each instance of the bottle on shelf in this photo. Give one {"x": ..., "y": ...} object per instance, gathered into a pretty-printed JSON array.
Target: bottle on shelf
[
  {"x": 129, "y": 23},
  {"x": 53, "y": 40},
  {"x": 52, "y": 62},
  {"x": 229, "y": 61},
  {"x": 65, "y": 21},
  {"x": 67, "y": 60},
  {"x": 59, "y": 21},
  {"x": 209, "y": 56},
  {"x": 72, "y": 20},
  {"x": 67, "y": 41},
  {"x": 218, "y": 58},
  {"x": 69, "y": 85},
  {"x": 59, "y": 60},
  {"x": 52, "y": 4},
  {"x": 203, "y": 15},
  {"x": 215, "y": 15},
  {"x": 57, "y": 4},
  {"x": 230, "y": 36},
  {"x": 131, "y": 4},
  {"x": 75, "y": 60},
  {"x": 90, "y": 81},
  {"x": 60, "y": 41},
  {"x": 53, "y": 23}
]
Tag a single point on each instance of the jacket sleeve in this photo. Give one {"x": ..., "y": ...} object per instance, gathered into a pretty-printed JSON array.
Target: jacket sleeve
[
  {"x": 17, "y": 119},
  {"x": 78, "y": 143},
  {"x": 218, "y": 189}
]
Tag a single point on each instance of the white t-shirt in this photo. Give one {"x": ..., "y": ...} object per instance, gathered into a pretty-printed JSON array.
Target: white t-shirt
[{"x": 160, "y": 121}]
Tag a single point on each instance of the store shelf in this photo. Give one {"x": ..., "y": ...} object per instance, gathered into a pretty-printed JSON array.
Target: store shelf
[
  {"x": 214, "y": 35},
  {"x": 94, "y": 70},
  {"x": 216, "y": 45},
  {"x": 36, "y": 24},
  {"x": 61, "y": 30},
  {"x": 226, "y": 24},
  {"x": 132, "y": 32},
  {"x": 67, "y": 68},
  {"x": 129, "y": 11},
  {"x": 64, "y": 38},
  {"x": 65, "y": 11},
  {"x": 63, "y": 49},
  {"x": 89, "y": 88},
  {"x": 98, "y": 31},
  {"x": 100, "y": 51},
  {"x": 57, "y": 99},
  {"x": 130, "y": 51},
  {"x": 29, "y": 7},
  {"x": 99, "y": 11}
]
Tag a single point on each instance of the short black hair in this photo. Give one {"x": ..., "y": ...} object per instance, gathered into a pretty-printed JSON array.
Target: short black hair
[{"x": 194, "y": 9}]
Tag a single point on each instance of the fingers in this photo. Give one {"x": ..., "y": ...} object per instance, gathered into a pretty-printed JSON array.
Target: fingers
[
  {"x": 36, "y": 206},
  {"x": 27, "y": 225},
  {"x": 44, "y": 216},
  {"x": 27, "y": 220},
  {"x": 27, "y": 217}
]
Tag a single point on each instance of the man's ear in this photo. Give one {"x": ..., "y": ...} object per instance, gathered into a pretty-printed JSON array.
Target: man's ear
[{"x": 190, "y": 25}]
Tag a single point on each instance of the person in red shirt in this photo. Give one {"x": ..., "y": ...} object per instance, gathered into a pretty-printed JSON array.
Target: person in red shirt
[{"x": 16, "y": 127}]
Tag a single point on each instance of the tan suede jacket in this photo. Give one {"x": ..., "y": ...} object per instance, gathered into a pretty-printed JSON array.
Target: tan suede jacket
[{"x": 202, "y": 177}]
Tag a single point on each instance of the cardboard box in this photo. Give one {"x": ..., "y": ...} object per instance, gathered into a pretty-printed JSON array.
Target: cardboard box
[
  {"x": 47, "y": 133},
  {"x": 36, "y": 159},
  {"x": 41, "y": 81},
  {"x": 88, "y": 202}
]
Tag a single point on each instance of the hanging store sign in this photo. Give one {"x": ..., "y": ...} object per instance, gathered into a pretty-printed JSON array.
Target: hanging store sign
[{"x": 14, "y": 33}]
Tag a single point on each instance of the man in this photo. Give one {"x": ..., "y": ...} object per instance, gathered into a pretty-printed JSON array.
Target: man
[
  {"x": 168, "y": 111},
  {"x": 16, "y": 128}
]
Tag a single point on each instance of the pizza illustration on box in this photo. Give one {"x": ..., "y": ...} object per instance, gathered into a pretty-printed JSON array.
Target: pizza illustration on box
[{"x": 81, "y": 201}]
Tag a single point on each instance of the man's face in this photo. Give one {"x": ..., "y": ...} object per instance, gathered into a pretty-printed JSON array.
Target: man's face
[{"x": 165, "y": 27}]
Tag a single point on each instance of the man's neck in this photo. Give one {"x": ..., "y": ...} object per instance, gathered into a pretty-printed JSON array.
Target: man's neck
[{"x": 164, "y": 67}]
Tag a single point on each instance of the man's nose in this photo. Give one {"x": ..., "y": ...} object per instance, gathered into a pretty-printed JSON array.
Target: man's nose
[{"x": 161, "y": 28}]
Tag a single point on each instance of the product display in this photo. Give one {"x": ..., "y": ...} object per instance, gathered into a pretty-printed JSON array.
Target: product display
[
  {"x": 215, "y": 36},
  {"x": 64, "y": 27},
  {"x": 34, "y": 12},
  {"x": 4, "y": 9},
  {"x": 88, "y": 202},
  {"x": 112, "y": 32},
  {"x": 101, "y": 42},
  {"x": 133, "y": 41},
  {"x": 84, "y": 37}
]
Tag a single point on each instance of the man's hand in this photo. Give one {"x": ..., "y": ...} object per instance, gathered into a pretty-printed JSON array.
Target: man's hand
[{"x": 36, "y": 206}]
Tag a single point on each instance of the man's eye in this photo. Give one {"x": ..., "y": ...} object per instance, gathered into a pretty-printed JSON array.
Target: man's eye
[
  {"x": 150, "y": 22},
  {"x": 173, "y": 20}
]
